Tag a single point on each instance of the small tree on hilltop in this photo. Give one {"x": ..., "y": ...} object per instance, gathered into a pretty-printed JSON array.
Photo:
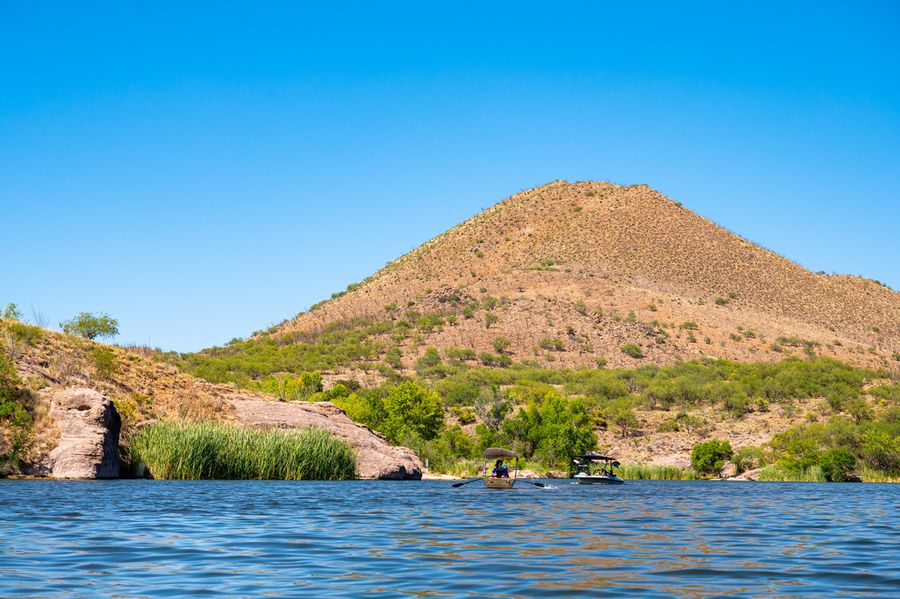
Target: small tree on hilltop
[
  {"x": 12, "y": 312},
  {"x": 709, "y": 457},
  {"x": 91, "y": 326}
]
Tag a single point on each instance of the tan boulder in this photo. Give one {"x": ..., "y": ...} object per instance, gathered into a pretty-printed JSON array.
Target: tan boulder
[
  {"x": 728, "y": 470},
  {"x": 375, "y": 457},
  {"x": 89, "y": 435}
]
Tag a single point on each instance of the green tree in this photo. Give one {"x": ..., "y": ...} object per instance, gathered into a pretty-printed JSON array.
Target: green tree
[
  {"x": 620, "y": 412},
  {"x": 12, "y": 312},
  {"x": 411, "y": 408},
  {"x": 709, "y": 457},
  {"x": 554, "y": 429},
  {"x": 837, "y": 464},
  {"x": 91, "y": 326}
]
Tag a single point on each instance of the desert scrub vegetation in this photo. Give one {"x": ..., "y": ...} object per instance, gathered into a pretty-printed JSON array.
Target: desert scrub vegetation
[
  {"x": 632, "y": 350},
  {"x": 15, "y": 418},
  {"x": 205, "y": 451},
  {"x": 542, "y": 412}
]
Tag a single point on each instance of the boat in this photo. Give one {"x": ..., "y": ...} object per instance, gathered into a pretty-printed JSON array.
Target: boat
[
  {"x": 602, "y": 475},
  {"x": 498, "y": 482}
]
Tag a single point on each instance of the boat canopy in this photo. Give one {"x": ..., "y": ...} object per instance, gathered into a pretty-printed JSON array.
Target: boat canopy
[
  {"x": 497, "y": 452},
  {"x": 596, "y": 457}
]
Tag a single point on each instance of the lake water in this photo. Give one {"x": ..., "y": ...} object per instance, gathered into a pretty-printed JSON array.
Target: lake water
[{"x": 135, "y": 538}]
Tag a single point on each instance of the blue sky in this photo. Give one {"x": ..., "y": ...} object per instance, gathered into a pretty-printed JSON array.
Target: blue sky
[{"x": 200, "y": 172}]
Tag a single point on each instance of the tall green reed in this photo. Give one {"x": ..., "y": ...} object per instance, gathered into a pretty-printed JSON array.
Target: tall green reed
[{"x": 187, "y": 451}]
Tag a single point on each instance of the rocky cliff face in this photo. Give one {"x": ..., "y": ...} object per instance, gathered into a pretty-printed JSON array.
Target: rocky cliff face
[
  {"x": 376, "y": 458},
  {"x": 89, "y": 435}
]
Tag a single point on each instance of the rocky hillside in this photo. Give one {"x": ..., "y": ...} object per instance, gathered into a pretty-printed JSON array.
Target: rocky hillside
[
  {"x": 572, "y": 272},
  {"x": 143, "y": 390}
]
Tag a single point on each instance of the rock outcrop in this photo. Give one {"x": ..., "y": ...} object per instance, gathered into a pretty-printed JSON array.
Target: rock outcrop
[
  {"x": 89, "y": 435},
  {"x": 376, "y": 458}
]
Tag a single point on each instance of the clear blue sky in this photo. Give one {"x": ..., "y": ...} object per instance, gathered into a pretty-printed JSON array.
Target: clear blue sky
[{"x": 203, "y": 171}]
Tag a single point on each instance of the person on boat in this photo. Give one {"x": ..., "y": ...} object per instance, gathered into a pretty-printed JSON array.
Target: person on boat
[{"x": 500, "y": 470}]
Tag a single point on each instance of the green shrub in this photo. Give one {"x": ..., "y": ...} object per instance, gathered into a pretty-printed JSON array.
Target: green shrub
[
  {"x": 428, "y": 364},
  {"x": 91, "y": 326},
  {"x": 632, "y": 349},
  {"x": 837, "y": 464},
  {"x": 554, "y": 344},
  {"x": 709, "y": 457},
  {"x": 288, "y": 388},
  {"x": 217, "y": 451},
  {"x": 393, "y": 358},
  {"x": 464, "y": 414},
  {"x": 103, "y": 359},
  {"x": 501, "y": 344}
]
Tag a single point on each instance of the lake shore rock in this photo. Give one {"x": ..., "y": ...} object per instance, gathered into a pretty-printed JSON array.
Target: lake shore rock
[
  {"x": 89, "y": 428},
  {"x": 376, "y": 458}
]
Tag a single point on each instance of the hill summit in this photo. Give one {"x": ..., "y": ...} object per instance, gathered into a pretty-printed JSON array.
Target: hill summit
[{"x": 569, "y": 274}]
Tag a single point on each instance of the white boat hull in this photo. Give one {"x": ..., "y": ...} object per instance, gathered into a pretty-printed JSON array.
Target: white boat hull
[{"x": 590, "y": 479}]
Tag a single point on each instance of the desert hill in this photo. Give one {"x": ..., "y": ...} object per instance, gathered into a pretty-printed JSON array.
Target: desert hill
[{"x": 569, "y": 273}]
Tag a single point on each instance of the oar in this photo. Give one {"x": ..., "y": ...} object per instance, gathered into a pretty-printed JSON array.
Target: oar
[
  {"x": 455, "y": 485},
  {"x": 541, "y": 485}
]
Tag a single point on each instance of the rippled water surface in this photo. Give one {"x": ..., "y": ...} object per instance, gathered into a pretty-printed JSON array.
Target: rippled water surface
[{"x": 391, "y": 539}]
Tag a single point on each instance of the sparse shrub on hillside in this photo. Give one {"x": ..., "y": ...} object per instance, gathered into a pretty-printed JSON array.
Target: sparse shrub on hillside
[
  {"x": 689, "y": 325},
  {"x": 461, "y": 354},
  {"x": 501, "y": 344},
  {"x": 601, "y": 362},
  {"x": 490, "y": 319},
  {"x": 17, "y": 337},
  {"x": 722, "y": 301},
  {"x": 393, "y": 358},
  {"x": 468, "y": 312},
  {"x": 709, "y": 457},
  {"x": 91, "y": 326},
  {"x": 103, "y": 359},
  {"x": 669, "y": 425},
  {"x": 632, "y": 350},
  {"x": 554, "y": 344},
  {"x": 465, "y": 414},
  {"x": 489, "y": 302},
  {"x": 428, "y": 322},
  {"x": 429, "y": 364}
]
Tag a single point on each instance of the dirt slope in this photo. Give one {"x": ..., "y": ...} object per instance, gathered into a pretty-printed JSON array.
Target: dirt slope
[{"x": 592, "y": 265}]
